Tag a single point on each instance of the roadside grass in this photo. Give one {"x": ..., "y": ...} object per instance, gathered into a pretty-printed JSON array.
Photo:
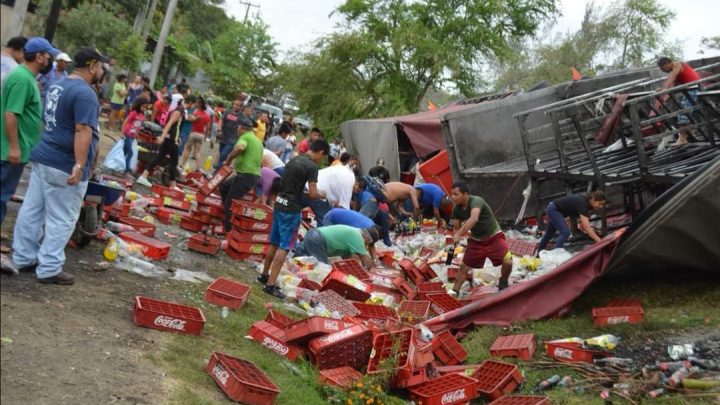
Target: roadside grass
[{"x": 670, "y": 308}]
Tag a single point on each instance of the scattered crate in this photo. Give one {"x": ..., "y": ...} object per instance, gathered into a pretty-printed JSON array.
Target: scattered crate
[
  {"x": 427, "y": 271},
  {"x": 446, "y": 390},
  {"x": 430, "y": 287},
  {"x": 343, "y": 377},
  {"x": 447, "y": 349},
  {"x": 252, "y": 248},
  {"x": 404, "y": 287},
  {"x": 249, "y": 237},
  {"x": 278, "y": 320},
  {"x": 334, "y": 302},
  {"x": 521, "y": 400},
  {"x": 351, "y": 267},
  {"x": 411, "y": 378},
  {"x": 210, "y": 209},
  {"x": 496, "y": 379},
  {"x": 347, "y": 286},
  {"x": 251, "y": 225},
  {"x": 570, "y": 352},
  {"x": 152, "y": 248},
  {"x": 165, "y": 215},
  {"x": 163, "y": 191},
  {"x": 423, "y": 353},
  {"x": 453, "y": 271},
  {"x": 414, "y": 274},
  {"x": 399, "y": 345},
  {"x": 618, "y": 311},
  {"x": 394, "y": 293},
  {"x": 443, "y": 302},
  {"x": 520, "y": 247},
  {"x": 223, "y": 173},
  {"x": 273, "y": 338},
  {"x": 235, "y": 255},
  {"x": 167, "y": 316},
  {"x": 242, "y": 380},
  {"x": 378, "y": 314},
  {"x": 257, "y": 212},
  {"x": 348, "y": 347},
  {"x": 227, "y": 293},
  {"x": 413, "y": 311},
  {"x": 520, "y": 346},
  {"x": 204, "y": 244},
  {"x": 177, "y": 204},
  {"x": 139, "y": 225},
  {"x": 189, "y": 224},
  {"x": 301, "y": 331},
  {"x": 309, "y": 285}
]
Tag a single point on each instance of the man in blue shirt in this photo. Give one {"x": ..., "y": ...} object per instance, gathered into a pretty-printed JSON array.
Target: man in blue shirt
[
  {"x": 342, "y": 216},
  {"x": 433, "y": 201},
  {"x": 62, "y": 163}
]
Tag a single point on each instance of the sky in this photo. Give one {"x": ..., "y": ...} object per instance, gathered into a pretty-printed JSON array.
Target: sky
[{"x": 297, "y": 23}]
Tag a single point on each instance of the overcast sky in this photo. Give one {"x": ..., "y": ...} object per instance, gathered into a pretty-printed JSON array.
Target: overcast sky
[{"x": 296, "y": 23}]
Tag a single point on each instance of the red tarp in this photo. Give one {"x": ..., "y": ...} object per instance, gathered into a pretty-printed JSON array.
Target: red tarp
[{"x": 538, "y": 298}]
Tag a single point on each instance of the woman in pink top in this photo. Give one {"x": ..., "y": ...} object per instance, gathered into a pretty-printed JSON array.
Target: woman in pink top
[
  {"x": 200, "y": 121},
  {"x": 130, "y": 127}
]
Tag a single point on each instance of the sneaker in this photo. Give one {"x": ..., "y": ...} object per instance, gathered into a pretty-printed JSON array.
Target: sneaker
[
  {"x": 61, "y": 278},
  {"x": 143, "y": 181},
  {"x": 502, "y": 284},
  {"x": 274, "y": 291},
  {"x": 263, "y": 278}
]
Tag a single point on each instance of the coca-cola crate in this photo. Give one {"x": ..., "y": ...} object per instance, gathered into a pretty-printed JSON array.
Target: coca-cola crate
[
  {"x": 204, "y": 244},
  {"x": 278, "y": 320},
  {"x": 446, "y": 390},
  {"x": 347, "y": 286},
  {"x": 212, "y": 199},
  {"x": 496, "y": 379},
  {"x": 257, "y": 212},
  {"x": 447, "y": 349},
  {"x": 165, "y": 214},
  {"x": 334, "y": 302},
  {"x": 398, "y": 345},
  {"x": 413, "y": 311},
  {"x": 214, "y": 182},
  {"x": 520, "y": 247},
  {"x": 394, "y": 293},
  {"x": 343, "y": 377},
  {"x": 430, "y": 287},
  {"x": 618, "y": 311},
  {"x": 423, "y": 353},
  {"x": 348, "y": 347},
  {"x": 380, "y": 279},
  {"x": 521, "y": 400},
  {"x": 407, "y": 379},
  {"x": 427, "y": 271},
  {"x": 224, "y": 292},
  {"x": 250, "y": 225},
  {"x": 379, "y": 314},
  {"x": 351, "y": 267},
  {"x": 443, "y": 302},
  {"x": 205, "y": 218},
  {"x": 309, "y": 285},
  {"x": 465, "y": 369},
  {"x": 210, "y": 209},
  {"x": 252, "y": 248},
  {"x": 405, "y": 288},
  {"x": 387, "y": 258},
  {"x": 405, "y": 264},
  {"x": 570, "y": 352},
  {"x": 163, "y": 191},
  {"x": 414, "y": 274},
  {"x": 152, "y": 248},
  {"x": 520, "y": 346},
  {"x": 235, "y": 255},
  {"x": 167, "y": 316},
  {"x": 193, "y": 178},
  {"x": 139, "y": 225},
  {"x": 177, "y": 204},
  {"x": 301, "y": 331},
  {"x": 189, "y": 224},
  {"x": 453, "y": 271},
  {"x": 119, "y": 211},
  {"x": 241, "y": 380},
  {"x": 273, "y": 338},
  {"x": 249, "y": 237}
]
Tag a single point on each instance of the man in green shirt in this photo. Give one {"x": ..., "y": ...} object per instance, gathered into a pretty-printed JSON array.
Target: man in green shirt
[
  {"x": 247, "y": 155},
  {"x": 20, "y": 118},
  {"x": 486, "y": 240},
  {"x": 341, "y": 240}
]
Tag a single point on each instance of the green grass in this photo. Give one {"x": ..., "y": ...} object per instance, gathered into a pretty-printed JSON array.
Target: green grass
[{"x": 670, "y": 308}]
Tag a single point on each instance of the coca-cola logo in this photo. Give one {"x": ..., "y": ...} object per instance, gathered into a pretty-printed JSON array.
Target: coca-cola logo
[
  {"x": 452, "y": 397},
  {"x": 339, "y": 335},
  {"x": 275, "y": 346},
  {"x": 563, "y": 353},
  {"x": 170, "y": 323},
  {"x": 220, "y": 373},
  {"x": 258, "y": 237},
  {"x": 331, "y": 324},
  {"x": 614, "y": 320}
]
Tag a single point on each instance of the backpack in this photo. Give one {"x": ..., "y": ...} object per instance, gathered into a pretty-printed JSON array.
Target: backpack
[{"x": 376, "y": 187}]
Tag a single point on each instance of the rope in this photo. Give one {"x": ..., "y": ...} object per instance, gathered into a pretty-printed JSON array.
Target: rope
[{"x": 508, "y": 194}]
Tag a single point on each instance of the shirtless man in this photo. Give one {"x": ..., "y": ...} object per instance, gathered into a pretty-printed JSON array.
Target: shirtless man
[{"x": 398, "y": 192}]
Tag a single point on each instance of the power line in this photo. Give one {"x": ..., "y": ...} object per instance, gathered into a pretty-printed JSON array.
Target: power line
[{"x": 247, "y": 5}]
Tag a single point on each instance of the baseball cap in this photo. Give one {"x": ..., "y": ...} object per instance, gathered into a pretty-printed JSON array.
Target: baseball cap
[
  {"x": 40, "y": 44},
  {"x": 85, "y": 57},
  {"x": 63, "y": 57}
]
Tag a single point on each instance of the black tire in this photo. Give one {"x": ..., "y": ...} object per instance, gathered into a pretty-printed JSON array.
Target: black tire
[{"x": 86, "y": 227}]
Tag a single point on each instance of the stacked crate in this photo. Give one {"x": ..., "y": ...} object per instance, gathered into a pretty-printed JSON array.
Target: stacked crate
[{"x": 249, "y": 238}]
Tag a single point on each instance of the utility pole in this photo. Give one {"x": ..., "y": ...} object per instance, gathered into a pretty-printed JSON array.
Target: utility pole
[
  {"x": 52, "y": 19},
  {"x": 160, "y": 46},
  {"x": 247, "y": 5},
  {"x": 149, "y": 19}
]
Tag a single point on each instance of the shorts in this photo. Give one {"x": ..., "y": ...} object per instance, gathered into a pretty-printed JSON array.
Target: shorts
[
  {"x": 195, "y": 139},
  {"x": 116, "y": 107},
  {"x": 284, "y": 229},
  {"x": 494, "y": 248},
  {"x": 684, "y": 119}
]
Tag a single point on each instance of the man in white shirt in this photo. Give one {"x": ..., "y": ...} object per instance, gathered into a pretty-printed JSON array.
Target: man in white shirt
[
  {"x": 337, "y": 182},
  {"x": 273, "y": 161},
  {"x": 11, "y": 57}
]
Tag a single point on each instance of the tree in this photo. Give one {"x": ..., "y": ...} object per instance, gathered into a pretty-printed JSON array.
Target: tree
[{"x": 711, "y": 42}]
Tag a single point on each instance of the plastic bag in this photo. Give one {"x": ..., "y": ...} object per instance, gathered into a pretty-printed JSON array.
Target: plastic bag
[{"x": 115, "y": 159}]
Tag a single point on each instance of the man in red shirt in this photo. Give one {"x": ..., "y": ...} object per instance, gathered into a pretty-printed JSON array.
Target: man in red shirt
[
  {"x": 315, "y": 134},
  {"x": 679, "y": 73}
]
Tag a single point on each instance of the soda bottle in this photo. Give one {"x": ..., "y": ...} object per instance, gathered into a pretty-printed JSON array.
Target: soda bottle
[
  {"x": 706, "y": 364},
  {"x": 131, "y": 195},
  {"x": 546, "y": 384},
  {"x": 208, "y": 163},
  {"x": 450, "y": 254},
  {"x": 566, "y": 382},
  {"x": 112, "y": 249},
  {"x": 117, "y": 227},
  {"x": 655, "y": 393},
  {"x": 224, "y": 312}
]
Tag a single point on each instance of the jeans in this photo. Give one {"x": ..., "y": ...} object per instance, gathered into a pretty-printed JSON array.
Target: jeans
[
  {"x": 46, "y": 220},
  {"x": 313, "y": 244},
  {"x": 167, "y": 148},
  {"x": 286, "y": 155},
  {"x": 556, "y": 221},
  {"x": 225, "y": 149},
  {"x": 319, "y": 207},
  {"x": 279, "y": 170},
  {"x": 128, "y": 151},
  {"x": 9, "y": 179},
  {"x": 370, "y": 208},
  {"x": 235, "y": 188},
  {"x": 382, "y": 218}
]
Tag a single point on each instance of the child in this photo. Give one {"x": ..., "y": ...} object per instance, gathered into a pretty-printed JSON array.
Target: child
[{"x": 130, "y": 127}]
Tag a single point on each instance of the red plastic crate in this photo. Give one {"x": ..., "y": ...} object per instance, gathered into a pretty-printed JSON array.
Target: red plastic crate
[
  {"x": 618, "y": 311},
  {"x": 189, "y": 224},
  {"x": 414, "y": 310},
  {"x": 521, "y": 400},
  {"x": 152, "y": 248},
  {"x": 163, "y": 191},
  {"x": 405, "y": 288},
  {"x": 177, "y": 204},
  {"x": 381, "y": 280},
  {"x": 217, "y": 212},
  {"x": 204, "y": 244},
  {"x": 427, "y": 271},
  {"x": 405, "y": 264},
  {"x": 496, "y": 379},
  {"x": 205, "y": 218},
  {"x": 343, "y": 377},
  {"x": 249, "y": 237},
  {"x": 248, "y": 224},
  {"x": 447, "y": 349},
  {"x": 520, "y": 346},
  {"x": 384, "y": 346},
  {"x": 387, "y": 258},
  {"x": 242, "y": 380},
  {"x": 167, "y": 316},
  {"x": 347, "y": 286},
  {"x": 257, "y": 212},
  {"x": 252, "y": 248},
  {"x": 423, "y": 353},
  {"x": 446, "y": 390},
  {"x": 521, "y": 247},
  {"x": 414, "y": 274},
  {"x": 378, "y": 314},
  {"x": 333, "y": 301},
  {"x": 309, "y": 285},
  {"x": 224, "y": 292},
  {"x": 235, "y": 255},
  {"x": 165, "y": 215},
  {"x": 314, "y": 326},
  {"x": 348, "y": 347},
  {"x": 452, "y": 274},
  {"x": 430, "y": 287},
  {"x": 273, "y": 338},
  {"x": 569, "y": 352},
  {"x": 279, "y": 320},
  {"x": 407, "y": 379},
  {"x": 351, "y": 267},
  {"x": 437, "y": 171},
  {"x": 214, "y": 182},
  {"x": 139, "y": 225},
  {"x": 443, "y": 302},
  {"x": 394, "y": 293}
]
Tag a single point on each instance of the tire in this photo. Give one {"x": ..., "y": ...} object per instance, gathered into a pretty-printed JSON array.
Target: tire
[{"x": 86, "y": 227}]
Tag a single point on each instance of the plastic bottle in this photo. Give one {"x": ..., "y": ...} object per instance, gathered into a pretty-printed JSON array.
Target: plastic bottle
[
  {"x": 208, "y": 163},
  {"x": 224, "y": 312},
  {"x": 672, "y": 366},
  {"x": 149, "y": 219},
  {"x": 656, "y": 393},
  {"x": 614, "y": 361},
  {"x": 101, "y": 266},
  {"x": 139, "y": 266},
  {"x": 677, "y": 377},
  {"x": 566, "y": 382},
  {"x": 140, "y": 203},
  {"x": 118, "y": 227},
  {"x": 112, "y": 249},
  {"x": 175, "y": 218},
  {"x": 706, "y": 364},
  {"x": 546, "y": 384},
  {"x": 131, "y": 195}
]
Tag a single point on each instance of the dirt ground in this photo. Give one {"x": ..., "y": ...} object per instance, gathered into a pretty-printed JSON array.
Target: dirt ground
[{"x": 78, "y": 344}]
